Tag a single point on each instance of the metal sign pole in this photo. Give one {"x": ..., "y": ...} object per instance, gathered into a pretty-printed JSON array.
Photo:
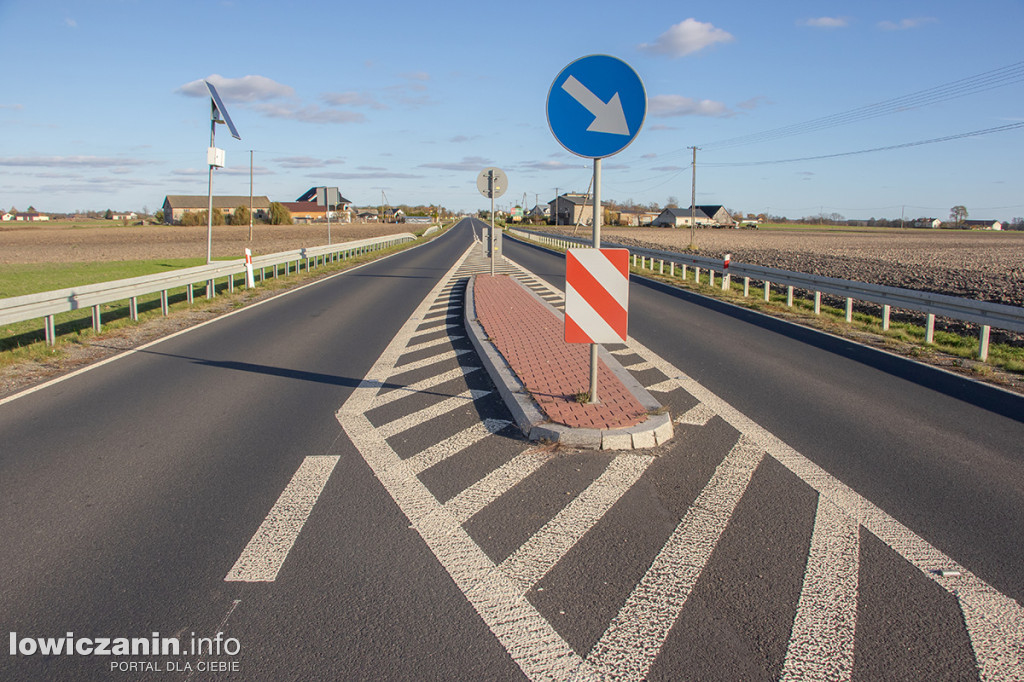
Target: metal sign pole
[
  {"x": 490, "y": 186},
  {"x": 596, "y": 245},
  {"x": 209, "y": 210}
]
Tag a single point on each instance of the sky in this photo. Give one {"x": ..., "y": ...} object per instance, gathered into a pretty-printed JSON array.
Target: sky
[{"x": 102, "y": 103}]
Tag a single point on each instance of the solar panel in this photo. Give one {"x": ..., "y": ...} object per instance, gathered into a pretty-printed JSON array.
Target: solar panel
[{"x": 219, "y": 104}]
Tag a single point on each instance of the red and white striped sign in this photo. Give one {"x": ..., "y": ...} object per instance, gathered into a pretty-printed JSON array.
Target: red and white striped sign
[{"x": 596, "y": 295}]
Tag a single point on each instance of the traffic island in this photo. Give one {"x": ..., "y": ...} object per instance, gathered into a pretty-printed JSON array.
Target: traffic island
[{"x": 544, "y": 380}]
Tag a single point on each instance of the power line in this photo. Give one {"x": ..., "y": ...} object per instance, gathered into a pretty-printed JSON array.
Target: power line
[
  {"x": 934, "y": 140},
  {"x": 988, "y": 80}
]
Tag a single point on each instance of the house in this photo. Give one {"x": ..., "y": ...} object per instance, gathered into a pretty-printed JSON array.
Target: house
[
  {"x": 367, "y": 215},
  {"x": 680, "y": 217},
  {"x": 539, "y": 212},
  {"x": 341, "y": 208},
  {"x": 708, "y": 216},
  {"x": 306, "y": 211},
  {"x": 177, "y": 205},
  {"x": 983, "y": 224},
  {"x": 394, "y": 215},
  {"x": 6, "y": 216},
  {"x": 571, "y": 209}
]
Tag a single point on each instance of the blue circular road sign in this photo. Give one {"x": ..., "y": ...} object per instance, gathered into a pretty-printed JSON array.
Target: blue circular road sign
[{"x": 596, "y": 106}]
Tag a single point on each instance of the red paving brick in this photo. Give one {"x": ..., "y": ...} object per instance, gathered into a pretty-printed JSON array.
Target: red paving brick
[{"x": 531, "y": 339}]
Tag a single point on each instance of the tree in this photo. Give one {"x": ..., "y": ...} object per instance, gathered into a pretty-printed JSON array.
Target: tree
[
  {"x": 672, "y": 203},
  {"x": 241, "y": 216},
  {"x": 279, "y": 215},
  {"x": 109, "y": 215},
  {"x": 158, "y": 216},
  {"x": 958, "y": 214}
]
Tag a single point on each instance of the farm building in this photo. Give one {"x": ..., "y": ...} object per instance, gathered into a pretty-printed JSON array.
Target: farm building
[
  {"x": 177, "y": 205},
  {"x": 708, "y": 216},
  {"x": 28, "y": 216}
]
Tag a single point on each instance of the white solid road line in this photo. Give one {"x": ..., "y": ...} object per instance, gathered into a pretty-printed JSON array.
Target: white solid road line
[
  {"x": 698, "y": 415},
  {"x": 426, "y": 414},
  {"x": 635, "y": 637},
  {"x": 532, "y": 561},
  {"x": 262, "y": 558},
  {"x": 495, "y": 484},
  {"x": 455, "y": 444},
  {"x": 995, "y": 622},
  {"x": 432, "y": 360},
  {"x": 426, "y": 384},
  {"x": 432, "y": 344},
  {"x": 822, "y": 641}
]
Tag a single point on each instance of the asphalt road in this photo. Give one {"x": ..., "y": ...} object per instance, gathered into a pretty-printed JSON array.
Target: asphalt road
[
  {"x": 942, "y": 454},
  {"x": 129, "y": 493}
]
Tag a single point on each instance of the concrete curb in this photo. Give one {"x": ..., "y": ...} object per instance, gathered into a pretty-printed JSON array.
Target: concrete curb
[{"x": 532, "y": 421}]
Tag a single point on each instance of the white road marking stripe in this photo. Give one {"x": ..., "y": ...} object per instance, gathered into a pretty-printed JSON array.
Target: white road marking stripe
[
  {"x": 626, "y": 650},
  {"x": 432, "y": 344},
  {"x": 822, "y": 642},
  {"x": 664, "y": 386},
  {"x": 495, "y": 484},
  {"x": 530, "y": 640},
  {"x": 453, "y": 445},
  {"x": 698, "y": 415},
  {"x": 640, "y": 366},
  {"x": 405, "y": 391},
  {"x": 262, "y": 558},
  {"x": 426, "y": 414},
  {"x": 532, "y": 561},
  {"x": 623, "y": 351},
  {"x": 995, "y": 622},
  {"x": 427, "y": 362}
]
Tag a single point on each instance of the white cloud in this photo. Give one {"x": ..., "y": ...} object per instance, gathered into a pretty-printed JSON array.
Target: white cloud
[
  {"x": 827, "y": 22},
  {"x": 70, "y": 23},
  {"x": 677, "y": 105},
  {"x": 753, "y": 102},
  {"x": 550, "y": 165},
  {"x": 244, "y": 89},
  {"x": 305, "y": 162},
  {"x": 687, "y": 37},
  {"x": 906, "y": 24},
  {"x": 352, "y": 99},
  {"x": 468, "y": 163},
  {"x": 70, "y": 162},
  {"x": 310, "y": 114}
]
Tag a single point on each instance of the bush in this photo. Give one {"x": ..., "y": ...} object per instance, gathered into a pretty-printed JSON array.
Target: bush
[
  {"x": 279, "y": 215},
  {"x": 241, "y": 216}
]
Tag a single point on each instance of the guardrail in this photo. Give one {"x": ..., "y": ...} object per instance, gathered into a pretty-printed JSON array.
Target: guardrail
[
  {"x": 48, "y": 304},
  {"x": 982, "y": 313}
]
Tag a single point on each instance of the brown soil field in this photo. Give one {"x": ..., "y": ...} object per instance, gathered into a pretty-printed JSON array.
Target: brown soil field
[
  {"x": 985, "y": 266},
  {"x": 61, "y": 244}
]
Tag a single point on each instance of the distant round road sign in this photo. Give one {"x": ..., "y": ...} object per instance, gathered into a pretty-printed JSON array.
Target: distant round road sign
[
  {"x": 596, "y": 106},
  {"x": 489, "y": 190}
]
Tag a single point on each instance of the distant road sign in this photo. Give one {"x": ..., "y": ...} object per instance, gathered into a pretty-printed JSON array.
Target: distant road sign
[
  {"x": 492, "y": 189},
  {"x": 596, "y": 106},
  {"x": 596, "y": 295}
]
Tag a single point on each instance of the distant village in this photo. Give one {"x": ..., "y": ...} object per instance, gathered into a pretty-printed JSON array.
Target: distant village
[{"x": 320, "y": 204}]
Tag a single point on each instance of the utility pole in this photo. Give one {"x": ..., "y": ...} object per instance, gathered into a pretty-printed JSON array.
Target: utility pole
[
  {"x": 250, "y": 195},
  {"x": 693, "y": 201}
]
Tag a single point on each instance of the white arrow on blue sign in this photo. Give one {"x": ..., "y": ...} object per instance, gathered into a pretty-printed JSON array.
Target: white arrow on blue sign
[{"x": 596, "y": 106}]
